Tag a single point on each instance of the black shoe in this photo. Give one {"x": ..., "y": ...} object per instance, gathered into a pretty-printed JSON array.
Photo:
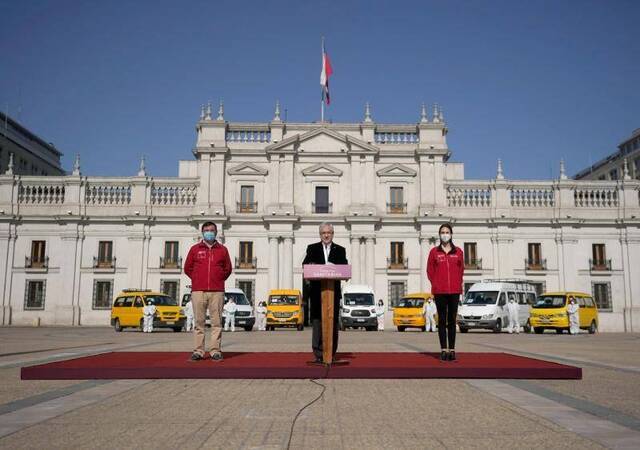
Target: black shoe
[
  {"x": 217, "y": 356},
  {"x": 452, "y": 355},
  {"x": 196, "y": 357},
  {"x": 318, "y": 360},
  {"x": 443, "y": 356}
]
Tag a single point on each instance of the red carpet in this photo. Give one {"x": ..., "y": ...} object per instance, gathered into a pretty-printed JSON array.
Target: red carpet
[{"x": 149, "y": 365}]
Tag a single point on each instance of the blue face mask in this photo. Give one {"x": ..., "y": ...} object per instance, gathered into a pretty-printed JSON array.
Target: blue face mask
[{"x": 209, "y": 236}]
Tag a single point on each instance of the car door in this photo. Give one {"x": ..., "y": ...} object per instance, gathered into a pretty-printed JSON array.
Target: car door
[
  {"x": 137, "y": 314},
  {"x": 126, "y": 319},
  {"x": 583, "y": 312},
  {"x": 502, "y": 308},
  {"x": 523, "y": 308}
]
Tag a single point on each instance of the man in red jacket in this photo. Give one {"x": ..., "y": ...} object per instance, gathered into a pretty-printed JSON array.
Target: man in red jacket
[{"x": 208, "y": 265}]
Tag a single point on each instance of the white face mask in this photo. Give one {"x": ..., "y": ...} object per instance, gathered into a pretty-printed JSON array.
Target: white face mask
[{"x": 445, "y": 237}]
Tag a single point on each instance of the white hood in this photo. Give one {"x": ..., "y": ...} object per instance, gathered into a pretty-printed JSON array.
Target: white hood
[{"x": 480, "y": 310}]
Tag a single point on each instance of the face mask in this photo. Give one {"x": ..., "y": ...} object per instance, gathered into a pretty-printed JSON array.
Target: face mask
[
  {"x": 445, "y": 237},
  {"x": 209, "y": 236}
]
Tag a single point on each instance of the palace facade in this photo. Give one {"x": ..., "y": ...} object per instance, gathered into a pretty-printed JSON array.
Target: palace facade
[{"x": 69, "y": 243}]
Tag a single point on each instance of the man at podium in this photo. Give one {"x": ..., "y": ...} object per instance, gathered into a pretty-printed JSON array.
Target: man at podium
[{"x": 324, "y": 252}]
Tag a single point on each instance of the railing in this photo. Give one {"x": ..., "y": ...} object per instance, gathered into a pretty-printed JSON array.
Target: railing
[
  {"x": 469, "y": 196},
  {"x": 40, "y": 194},
  {"x": 396, "y": 208},
  {"x": 397, "y": 264},
  {"x": 243, "y": 263},
  {"x": 322, "y": 209},
  {"x": 243, "y": 207},
  {"x": 171, "y": 263},
  {"x": 532, "y": 197},
  {"x": 396, "y": 138},
  {"x": 248, "y": 136},
  {"x": 603, "y": 265},
  {"x": 104, "y": 194},
  {"x": 535, "y": 264},
  {"x": 104, "y": 263},
  {"x": 596, "y": 197},
  {"x": 473, "y": 264},
  {"x": 33, "y": 263},
  {"x": 172, "y": 194}
]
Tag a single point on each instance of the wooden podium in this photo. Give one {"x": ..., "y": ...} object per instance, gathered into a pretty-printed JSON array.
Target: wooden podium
[{"x": 327, "y": 274}]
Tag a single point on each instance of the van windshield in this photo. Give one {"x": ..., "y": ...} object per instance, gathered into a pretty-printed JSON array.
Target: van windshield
[
  {"x": 161, "y": 300},
  {"x": 410, "y": 303},
  {"x": 480, "y": 298},
  {"x": 358, "y": 300},
  {"x": 550, "y": 301},
  {"x": 283, "y": 300},
  {"x": 237, "y": 297}
]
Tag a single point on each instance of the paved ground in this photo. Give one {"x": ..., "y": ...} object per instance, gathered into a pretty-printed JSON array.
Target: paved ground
[{"x": 602, "y": 410}]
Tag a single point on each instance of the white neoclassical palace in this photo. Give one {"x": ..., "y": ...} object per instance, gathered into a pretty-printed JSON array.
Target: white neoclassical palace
[{"x": 69, "y": 243}]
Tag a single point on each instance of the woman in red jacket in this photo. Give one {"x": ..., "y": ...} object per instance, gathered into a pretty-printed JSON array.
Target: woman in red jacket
[{"x": 445, "y": 268}]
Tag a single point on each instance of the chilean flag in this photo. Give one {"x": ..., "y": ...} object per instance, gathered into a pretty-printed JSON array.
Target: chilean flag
[{"x": 327, "y": 70}]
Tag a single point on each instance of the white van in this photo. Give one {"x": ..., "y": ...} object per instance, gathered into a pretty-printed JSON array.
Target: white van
[
  {"x": 358, "y": 308},
  {"x": 484, "y": 305},
  {"x": 244, "y": 318}
]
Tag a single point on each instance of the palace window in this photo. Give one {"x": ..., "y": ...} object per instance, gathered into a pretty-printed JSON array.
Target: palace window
[
  {"x": 38, "y": 258},
  {"x": 34, "y": 294},
  {"x": 105, "y": 254},
  {"x": 170, "y": 288},
  {"x": 397, "y": 259},
  {"x": 602, "y": 295},
  {"x": 396, "y": 203},
  {"x": 246, "y": 259},
  {"x": 397, "y": 290},
  {"x": 247, "y": 200},
  {"x": 471, "y": 260},
  {"x": 102, "y": 294},
  {"x": 321, "y": 204},
  {"x": 599, "y": 260},
  {"x": 534, "y": 260},
  {"x": 249, "y": 289}
]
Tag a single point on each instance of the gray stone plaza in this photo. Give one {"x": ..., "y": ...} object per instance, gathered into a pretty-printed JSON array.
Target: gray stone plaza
[{"x": 601, "y": 410}]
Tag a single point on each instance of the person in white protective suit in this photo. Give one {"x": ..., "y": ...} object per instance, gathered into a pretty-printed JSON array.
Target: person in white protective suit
[
  {"x": 188, "y": 312},
  {"x": 230, "y": 309},
  {"x": 573, "y": 310},
  {"x": 430, "y": 315},
  {"x": 512, "y": 309},
  {"x": 261, "y": 316},
  {"x": 380, "y": 315},
  {"x": 148, "y": 313}
]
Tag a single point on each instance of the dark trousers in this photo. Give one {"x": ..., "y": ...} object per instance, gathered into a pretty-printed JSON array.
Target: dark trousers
[
  {"x": 316, "y": 337},
  {"x": 447, "y": 306}
]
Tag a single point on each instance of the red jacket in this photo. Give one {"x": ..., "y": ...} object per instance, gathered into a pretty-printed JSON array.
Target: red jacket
[
  {"x": 445, "y": 270},
  {"x": 208, "y": 267}
]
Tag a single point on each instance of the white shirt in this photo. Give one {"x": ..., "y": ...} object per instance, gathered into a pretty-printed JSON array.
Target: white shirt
[
  {"x": 327, "y": 250},
  {"x": 230, "y": 308}
]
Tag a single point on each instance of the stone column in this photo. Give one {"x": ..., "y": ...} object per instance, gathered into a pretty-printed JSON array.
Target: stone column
[
  {"x": 287, "y": 269},
  {"x": 7, "y": 249},
  {"x": 133, "y": 260},
  {"x": 355, "y": 260},
  {"x": 68, "y": 311},
  {"x": 371, "y": 260},
  {"x": 273, "y": 262},
  {"x": 422, "y": 242}
]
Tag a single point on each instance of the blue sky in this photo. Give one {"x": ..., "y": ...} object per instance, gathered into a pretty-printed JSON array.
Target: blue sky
[{"x": 529, "y": 82}]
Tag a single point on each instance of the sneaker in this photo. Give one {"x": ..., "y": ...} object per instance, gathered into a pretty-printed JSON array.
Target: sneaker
[
  {"x": 196, "y": 357},
  {"x": 217, "y": 356}
]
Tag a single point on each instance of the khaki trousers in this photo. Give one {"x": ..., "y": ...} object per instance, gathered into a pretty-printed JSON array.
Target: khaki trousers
[{"x": 214, "y": 302}]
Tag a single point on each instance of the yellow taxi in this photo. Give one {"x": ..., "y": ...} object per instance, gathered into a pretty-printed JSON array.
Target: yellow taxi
[
  {"x": 550, "y": 312},
  {"x": 126, "y": 311},
  {"x": 284, "y": 309},
  {"x": 409, "y": 311}
]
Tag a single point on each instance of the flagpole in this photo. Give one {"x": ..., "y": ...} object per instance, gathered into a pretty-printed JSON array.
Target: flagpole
[{"x": 322, "y": 94}]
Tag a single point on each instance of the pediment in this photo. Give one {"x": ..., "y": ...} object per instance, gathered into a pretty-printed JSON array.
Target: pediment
[
  {"x": 322, "y": 170},
  {"x": 247, "y": 169},
  {"x": 396, "y": 170},
  {"x": 322, "y": 140}
]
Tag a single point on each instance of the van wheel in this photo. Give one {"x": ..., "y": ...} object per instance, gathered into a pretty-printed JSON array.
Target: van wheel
[
  {"x": 538, "y": 330},
  {"x": 593, "y": 327},
  {"x": 423, "y": 329},
  {"x": 400, "y": 329},
  {"x": 177, "y": 329},
  {"x": 300, "y": 327},
  {"x": 342, "y": 327},
  {"x": 117, "y": 326},
  {"x": 498, "y": 327},
  {"x": 527, "y": 327},
  {"x": 559, "y": 330},
  {"x": 371, "y": 328},
  {"x": 463, "y": 329},
  {"x": 248, "y": 328}
]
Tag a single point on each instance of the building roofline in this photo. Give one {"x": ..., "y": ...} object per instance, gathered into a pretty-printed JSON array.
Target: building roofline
[{"x": 26, "y": 132}]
